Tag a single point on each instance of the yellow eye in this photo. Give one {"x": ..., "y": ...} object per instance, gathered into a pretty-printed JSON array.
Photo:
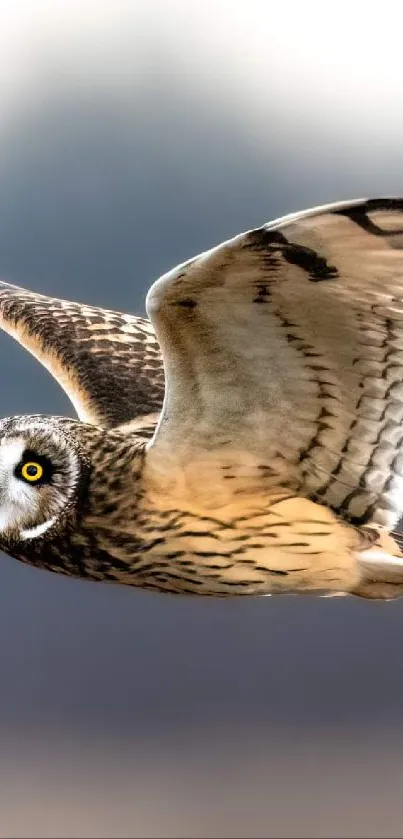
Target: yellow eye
[{"x": 32, "y": 471}]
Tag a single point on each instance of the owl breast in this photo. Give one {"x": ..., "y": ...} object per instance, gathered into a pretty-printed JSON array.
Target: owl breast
[{"x": 244, "y": 547}]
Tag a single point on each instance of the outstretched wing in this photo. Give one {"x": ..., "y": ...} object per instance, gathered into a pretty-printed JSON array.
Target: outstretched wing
[
  {"x": 108, "y": 363},
  {"x": 283, "y": 351}
]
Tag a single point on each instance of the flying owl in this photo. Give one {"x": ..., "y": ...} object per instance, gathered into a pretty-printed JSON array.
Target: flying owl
[{"x": 246, "y": 439}]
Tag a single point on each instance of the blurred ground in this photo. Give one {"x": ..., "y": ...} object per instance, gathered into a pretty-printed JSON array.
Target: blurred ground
[{"x": 259, "y": 786}]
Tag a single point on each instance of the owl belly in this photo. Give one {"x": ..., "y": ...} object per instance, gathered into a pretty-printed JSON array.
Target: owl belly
[{"x": 290, "y": 545}]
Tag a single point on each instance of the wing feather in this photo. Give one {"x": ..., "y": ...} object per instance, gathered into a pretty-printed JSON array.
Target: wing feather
[
  {"x": 109, "y": 363},
  {"x": 283, "y": 351}
]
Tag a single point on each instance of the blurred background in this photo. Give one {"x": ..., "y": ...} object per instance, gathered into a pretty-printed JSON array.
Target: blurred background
[{"x": 132, "y": 136}]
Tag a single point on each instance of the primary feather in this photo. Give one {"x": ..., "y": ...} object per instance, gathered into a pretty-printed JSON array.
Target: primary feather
[{"x": 109, "y": 363}]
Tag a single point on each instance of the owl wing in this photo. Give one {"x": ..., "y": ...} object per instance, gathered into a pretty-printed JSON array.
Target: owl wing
[
  {"x": 108, "y": 363},
  {"x": 285, "y": 344}
]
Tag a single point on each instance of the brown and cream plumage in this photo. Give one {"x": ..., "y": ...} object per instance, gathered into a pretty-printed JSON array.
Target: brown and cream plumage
[
  {"x": 276, "y": 464},
  {"x": 109, "y": 363}
]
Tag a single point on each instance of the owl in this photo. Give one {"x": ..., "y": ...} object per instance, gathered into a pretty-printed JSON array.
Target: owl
[{"x": 246, "y": 439}]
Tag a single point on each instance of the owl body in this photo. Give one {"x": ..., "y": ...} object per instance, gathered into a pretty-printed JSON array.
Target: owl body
[
  {"x": 119, "y": 520},
  {"x": 246, "y": 441}
]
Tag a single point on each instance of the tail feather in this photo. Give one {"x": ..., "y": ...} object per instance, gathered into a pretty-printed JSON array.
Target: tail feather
[
  {"x": 397, "y": 534},
  {"x": 381, "y": 568}
]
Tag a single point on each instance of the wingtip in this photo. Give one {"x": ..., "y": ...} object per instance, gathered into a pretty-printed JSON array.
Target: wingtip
[
  {"x": 4, "y": 286},
  {"x": 379, "y": 202}
]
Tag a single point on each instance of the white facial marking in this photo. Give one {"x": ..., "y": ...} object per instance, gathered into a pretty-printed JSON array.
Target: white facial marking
[
  {"x": 11, "y": 453},
  {"x": 18, "y": 500},
  {"x": 32, "y": 532}
]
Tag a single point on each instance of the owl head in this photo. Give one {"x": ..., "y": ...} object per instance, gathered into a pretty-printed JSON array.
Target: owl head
[
  {"x": 57, "y": 479},
  {"x": 45, "y": 465}
]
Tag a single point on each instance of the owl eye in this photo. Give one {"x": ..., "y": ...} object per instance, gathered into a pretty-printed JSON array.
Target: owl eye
[
  {"x": 34, "y": 468},
  {"x": 31, "y": 471}
]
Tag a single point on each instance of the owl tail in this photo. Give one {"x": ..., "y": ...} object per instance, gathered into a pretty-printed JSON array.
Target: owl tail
[{"x": 381, "y": 567}]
